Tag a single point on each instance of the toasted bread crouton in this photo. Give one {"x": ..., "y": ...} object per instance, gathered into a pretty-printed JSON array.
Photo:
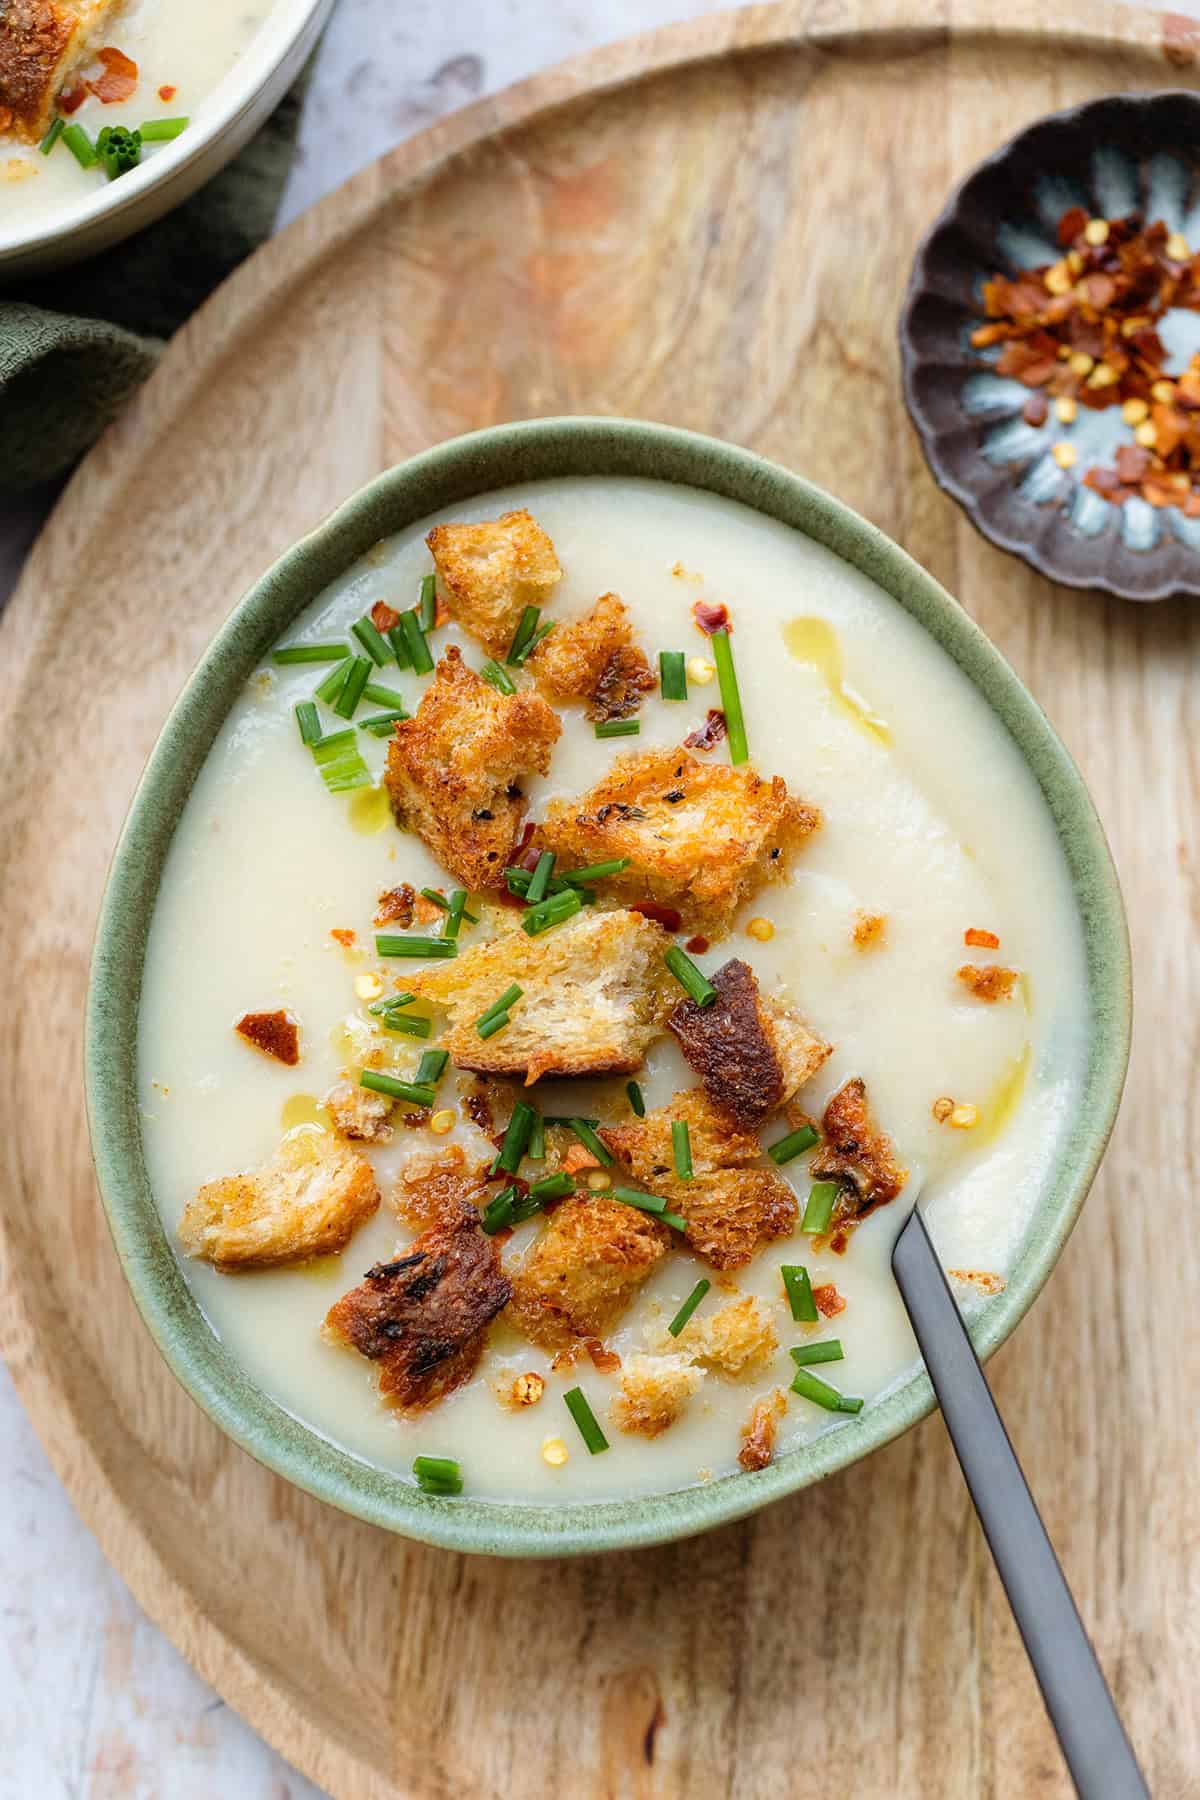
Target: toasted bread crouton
[
  {"x": 436, "y": 1192},
  {"x": 654, "y": 1391},
  {"x": 594, "y": 995},
  {"x": 738, "y": 1340},
  {"x": 583, "y": 1270},
  {"x": 276, "y": 1034},
  {"x": 595, "y": 660},
  {"x": 489, "y": 573},
  {"x": 396, "y": 906},
  {"x": 857, "y": 1155},
  {"x": 422, "y": 1318},
  {"x": 750, "y": 1051},
  {"x": 454, "y": 771},
  {"x": 307, "y": 1200},
  {"x": 41, "y": 42},
  {"x": 732, "y": 1209},
  {"x": 988, "y": 981},
  {"x": 358, "y": 1112},
  {"x": 700, "y": 837},
  {"x": 758, "y": 1433}
]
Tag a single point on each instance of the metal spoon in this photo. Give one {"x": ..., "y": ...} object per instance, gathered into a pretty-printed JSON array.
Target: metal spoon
[{"x": 1081, "y": 1709}]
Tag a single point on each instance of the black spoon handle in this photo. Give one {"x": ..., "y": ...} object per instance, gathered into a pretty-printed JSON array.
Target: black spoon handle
[{"x": 1081, "y": 1709}]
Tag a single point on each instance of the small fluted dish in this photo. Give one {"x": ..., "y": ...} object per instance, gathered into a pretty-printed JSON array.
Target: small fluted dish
[{"x": 1125, "y": 154}]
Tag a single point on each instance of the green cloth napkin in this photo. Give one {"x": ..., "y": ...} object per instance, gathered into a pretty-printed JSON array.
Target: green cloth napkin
[{"x": 74, "y": 344}]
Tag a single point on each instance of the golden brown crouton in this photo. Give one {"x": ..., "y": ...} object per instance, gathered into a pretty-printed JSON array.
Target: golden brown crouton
[
  {"x": 276, "y": 1034},
  {"x": 870, "y": 930},
  {"x": 988, "y": 981},
  {"x": 358, "y": 1112},
  {"x": 750, "y": 1051},
  {"x": 437, "y": 1192},
  {"x": 422, "y": 1318},
  {"x": 489, "y": 573},
  {"x": 654, "y": 1391},
  {"x": 857, "y": 1155},
  {"x": 454, "y": 771},
  {"x": 584, "y": 1269},
  {"x": 594, "y": 659},
  {"x": 700, "y": 837},
  {"x": 594, "y": 995},
  {"x": 738, "y": 1340},
  {"x": 40, "y": 42},
  {"x": 758, "y": 1433},
  {"x": 307, "y": 1200},
  {"x": 732, "y": 1209}
]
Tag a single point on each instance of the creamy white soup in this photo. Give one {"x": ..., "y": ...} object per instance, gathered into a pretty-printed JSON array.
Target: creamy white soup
[{"x": 931, "y": 829}]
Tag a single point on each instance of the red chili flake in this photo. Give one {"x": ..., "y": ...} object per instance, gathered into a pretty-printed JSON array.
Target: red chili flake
[
  {"x": 72, "y": 98},
  {"x": 981, "y": 940},
  {"x": 343, "y": 936},
  {"x": 662, "y": 915},
  {"x": 167, "y": 93},
  {"x": 274, "y": 1033},
  {"x": 120, "y": 77},
  {"x": 828, "y": 1301},
  {"x": 697, "y": 945},
  {"x": 706, "y": 736},
  {"x": 607, "y": 1361},
  {"x": 711, "y": 615},
  {"x": 1036, "y": 410},
  {"x": 383, "y": 616},
  {"x": 1070, "y": 226}
]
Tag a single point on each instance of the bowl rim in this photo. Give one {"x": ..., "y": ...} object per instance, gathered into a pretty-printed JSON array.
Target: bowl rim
[
  {"x": 219, "y": 114},
  {"x": 450, "y": 472},
  {"x": 919, "y": 283}
]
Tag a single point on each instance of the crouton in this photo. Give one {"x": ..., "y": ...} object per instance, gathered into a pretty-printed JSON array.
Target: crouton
[
  {"x": 583, "y": 1270},
  {"x": 454, "y": 771},
  {"x": 988, "y": 981},
  {"x": 595, "y": 660},
  {"x": 751, "y": 1052},
  {"x": 654, "y": 1391},
  {"x": 731, "y": 1209},
  {"x": 738, "y": 1340},
  {"x": 396, "y": 906},
  {"x": 276, "y": 1034},
  {"x": 594, "y": 995},
  {"x": 701, "y": 837},
  {"x": 438, "y": 1191},
  {"x": 489, "y": 573},
  {"x": 423, "y": 1317},
  {"x": 857, "y": 1155},
  {"x": 307, "y": 1200},
  {"x": 870, "y": 930},
  {"x": 758, "y": 1433},
  {"x": 41, "y": 41},
  {"x": 358, "y": 1112}
]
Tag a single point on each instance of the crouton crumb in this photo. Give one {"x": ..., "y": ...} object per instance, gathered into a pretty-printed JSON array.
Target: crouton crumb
[
  {"x": 857, "y": 1155},
  {"x": 759, "y": 1431},
  {"x": 870, "y": 929},
  {"x": 738, "y": 1340},
  {"x": 359, "y": 1112},
  {"x": 988, "y": 981},
  {"x": 984, "y": 1279},
  {"x": 654, "y": 1392},
  {"x": 276, "y": 1034}
]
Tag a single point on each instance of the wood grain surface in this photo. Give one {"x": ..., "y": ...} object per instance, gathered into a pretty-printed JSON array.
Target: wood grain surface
[{"x": 710, "y": 226}]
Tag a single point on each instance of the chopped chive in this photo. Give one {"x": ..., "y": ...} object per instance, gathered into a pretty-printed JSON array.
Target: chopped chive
[
  {"x": 436, "y": 899},
  {"x": 308, "y": 720},
  {"x": 80, "y": 145},
  {"x": 399, "y": 1090},
  {"x": 547, "y": 913},
  {"x": 488, "y": 1028},
  {"x": 381, "y": 724},
  {"x": 331, "y": 687},
  {"x": 457, "y": 913},
  {"x": 822, "y": 1394},
  {"x": 427, "y": 603},
  {"x": 552, "y": 1187},
  {"x": 674, "y": 1221},
  {"x": 826, "y": 1350},
  {"x": 516, "y": 1138},
  {"x": 508, "y": 998},
  {"x": 799, "y": 1292},
  {"x": 414, "y": 638},
  {"x": 596, "y": 871},
  {"x": 537, "y": 882},
  {"x": 587, "y": 1137},
  {"x": 332, "y": 745},
  {"x": 793, "y": 1145},
  {"x": 340, "y": 765},
  {"x": 357, "y": 676},
  {"x": 585, "y": 1418},
  {"x": 539, "y": 637},
  {"x": 566, "y": 1123},
  {"x": 385, "y": 696},
  {"x": 372, "y": 641},
  {"x": 522, "y": 642},
  {"x": 731, "y": 699},
  {"x": 818, "y": 1208},
  {"x": 536, "y": 1148},
  {"x": 52, "y": 136},
  {"x": 431, "y": 1067},
  {"x": 309, "y": 653},
  {"x": 689, "y": 1306},
  {"x": 498, "y": 1211},
  {"x": 415, "y": 946},
  {"x": 406, "y": 1024},
  {"x": 400, "y": 650},
  {"x": 689, "y": 977},
  {"x": 390, "y": 1003},
  {"x": 498, "y": 677},
  {"x": 672, "y": 674},
  {"x": 651, "y": 1203},
  {"x": 160, "y": 131},
  {"x": 608, "y": 728},
  {"x": 681, "y": 1146},
  {"x": 636, "y": 1098}
]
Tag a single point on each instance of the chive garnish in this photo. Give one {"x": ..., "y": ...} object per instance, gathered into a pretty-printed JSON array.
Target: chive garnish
[
  {"x": 552, "y": 1187},
  {"x": 406, "y": 1024},
  {"x": 432, "y": 1067},
  {"x": 357, "y": 676},
  {"x": 822, "y": 1394},
  {"x": 385, "y": 696},
  {"x": 522, "y": 642},
  {"x": 595, "y": 871},
  {"x": 689, "y": 977},
  {"x": 793, "y": 1145},
  {"x": 651, "y": 1203},
  {"x": 554, "y": 911},
  {"x": 399, "y": 1090},
  {"x": 689, "y": 1306},
  {"x": 415, "y": 946},
  {"x": 427, "y": 604},
  {"x": 585, "y": 1418},
  {"x": 517, "y": 881},
  {"x": 444, "y": 905},
  {"x": 340, "y": 765},
  {"x": 731, "y": 699},
  {"x": 681, "y": 1146},
  {"x": 457, "y": 913},
  {"x": 399, "y": 643},
  {"x": 390, "y": 1003},
  {"x": 674, "y": 1221},
  {"x": 381, "y": 724},
  {"x": 487, "y": 1028},
  {"x": 672, "y": 674},
  {"x": 799, "y": 1292},
  {"x": 309, "y": 721},
  {"x": 818, "y": 1208},
  {"x": 309, "y": 653},
  {"x": 498, "y": 1211},
  {"x": 80, "y": 145},
  {"x": 636, "y": 1099},
  {"x": 516, "y": 1137},
  {"x": 508, "y": 999},
  {"x": 331, "y": 687},
  {"x": 587, "y": 1137},
  {"x": 437, "y": 1475},
  {"x": 609, "y": 728},
  {"x": 414, "y": 638},
  {"x": 566, "y": 1122},
  {"x": 497, "y": 677},
  {"x": 160, "y": 131},
  {"x": 537, "y": 882},
  {"x": 535, "y": 1150},
  {"x": 52, "y": 136},
  {"x": 372, "y": 641},
  {"x": 826, "y": 1350}
]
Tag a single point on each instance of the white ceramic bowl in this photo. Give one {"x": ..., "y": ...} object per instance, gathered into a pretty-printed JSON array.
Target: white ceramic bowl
[{"x": 224, "y": 122}]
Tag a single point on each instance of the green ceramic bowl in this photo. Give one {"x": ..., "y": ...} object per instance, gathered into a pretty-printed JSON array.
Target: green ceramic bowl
[{"x": 438, "y": 479}]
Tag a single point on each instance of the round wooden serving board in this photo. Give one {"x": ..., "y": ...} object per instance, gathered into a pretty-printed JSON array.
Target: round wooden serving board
[{"x": 711, "y": 226}]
